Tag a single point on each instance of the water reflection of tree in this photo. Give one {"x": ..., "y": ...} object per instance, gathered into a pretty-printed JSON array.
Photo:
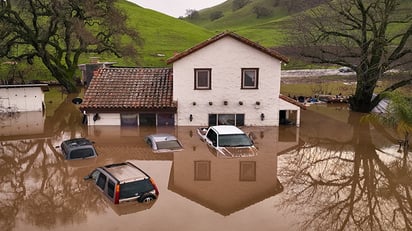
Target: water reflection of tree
[
  {"x": 37, "y": 185},
  {"x": 353, "y": 185}
]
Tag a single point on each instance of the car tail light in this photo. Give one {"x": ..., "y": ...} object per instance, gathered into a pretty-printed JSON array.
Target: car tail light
[
  {"x": 154, "y": 186},
  {"x": 117, "y": 194}
]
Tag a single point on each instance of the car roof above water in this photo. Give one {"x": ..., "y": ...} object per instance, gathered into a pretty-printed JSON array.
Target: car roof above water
[
  {"x": 125, "y": 172},
  {"x": 162, "y": 137},
  {"x": 76, "y": 142},
  {"x": 227, "y": 129}
]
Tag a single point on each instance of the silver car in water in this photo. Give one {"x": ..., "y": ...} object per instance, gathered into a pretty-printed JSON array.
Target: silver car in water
[{"x": 163, "y": 143}]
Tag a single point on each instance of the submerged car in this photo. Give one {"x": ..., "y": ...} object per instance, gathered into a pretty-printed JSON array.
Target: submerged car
[
  {"x": 123, "y": 182},
  {"x": 228, "y": 141},
  {"x": 163, "y": 143},
  {"x": 78, "y": 148}
]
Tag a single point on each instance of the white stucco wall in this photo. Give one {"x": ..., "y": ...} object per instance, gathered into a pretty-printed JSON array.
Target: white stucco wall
[
  {"x": 105, "y": 119},
  {"x": 226, "y": 57},
  {"x": 21, "y": 99}
]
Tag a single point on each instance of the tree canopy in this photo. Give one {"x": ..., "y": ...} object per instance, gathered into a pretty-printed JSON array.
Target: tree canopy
[
  {"x": 59, "y": 32},
  {"x": 369, "y": 36}
]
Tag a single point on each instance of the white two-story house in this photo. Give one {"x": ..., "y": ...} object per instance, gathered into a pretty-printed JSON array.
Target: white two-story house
[
  {"x": 226, "y": 79},
  {"x": 229, "y": 79}
]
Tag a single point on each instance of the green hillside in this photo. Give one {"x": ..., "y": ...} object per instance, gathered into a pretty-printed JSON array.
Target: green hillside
[
  {"x": 265, "y": 30},
  {"x": 162, "y": 35}
]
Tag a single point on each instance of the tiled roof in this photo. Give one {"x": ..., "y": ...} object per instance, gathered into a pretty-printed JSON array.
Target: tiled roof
[
  {"x": 292, "y": 101},
  {"x": 270, "y": 52},
  {"x": 130, "y": 89}
]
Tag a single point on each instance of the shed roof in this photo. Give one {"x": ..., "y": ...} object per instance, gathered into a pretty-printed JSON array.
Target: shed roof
[
  {"x": 130, "y": 89},
  {"x": 42, "y": 86},
  {"x": 292, "y": 101},
  {"x": 246, "y": 41}
]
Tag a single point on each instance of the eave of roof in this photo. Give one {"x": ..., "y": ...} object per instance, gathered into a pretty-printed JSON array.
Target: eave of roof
[
  {"x": 292, "y": 101},
  {"x": 43, "y": 86},
  {"x": 246, "y": 41}
]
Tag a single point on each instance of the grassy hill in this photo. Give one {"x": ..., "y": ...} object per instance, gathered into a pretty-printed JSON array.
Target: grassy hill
[
  {"x": 265, "y": 30},
  {"x": 162, "y": 35}
]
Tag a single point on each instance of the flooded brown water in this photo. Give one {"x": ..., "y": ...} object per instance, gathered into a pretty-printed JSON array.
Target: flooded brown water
[{"x": 332, "y": 173}]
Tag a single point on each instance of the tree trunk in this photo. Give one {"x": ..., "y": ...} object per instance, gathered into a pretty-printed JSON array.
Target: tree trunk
[
  {"x": 361, "y": 101},
  {"x": 65, "y": 78}
]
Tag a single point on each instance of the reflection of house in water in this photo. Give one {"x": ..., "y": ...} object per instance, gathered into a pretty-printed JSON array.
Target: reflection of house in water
[
  {"x": 21, "y": 124},
  {"x": 228, "y": 185},
  {"x": 117, "y": 144},
  {"x": 223, "y": 185}
]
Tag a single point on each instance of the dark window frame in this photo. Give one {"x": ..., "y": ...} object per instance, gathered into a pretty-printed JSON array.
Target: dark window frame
[
  {"x": 196, "y": 80},
  {"x": 256, "y": 85}
]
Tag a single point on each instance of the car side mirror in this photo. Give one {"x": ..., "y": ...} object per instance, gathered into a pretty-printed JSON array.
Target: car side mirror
[{"x": 88, "y": 177}]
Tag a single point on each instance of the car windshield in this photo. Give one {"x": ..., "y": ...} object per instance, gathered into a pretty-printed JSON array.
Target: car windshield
[
  {"x": 168, "y": 144},
  {"x": 236, "y": 140}
]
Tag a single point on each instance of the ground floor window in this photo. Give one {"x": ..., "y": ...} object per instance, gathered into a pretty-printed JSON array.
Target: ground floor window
[
  {"x": 128, "y": 120},
  {"x": 147, "y": 119},
  {"x": 165, "y": 119},
  {"x": 227, "y": 119}
]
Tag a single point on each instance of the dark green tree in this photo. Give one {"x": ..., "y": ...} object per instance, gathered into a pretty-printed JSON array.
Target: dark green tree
[
  {"x": 216, "y": 15},
  {"x": 262, "y": 11},
  {"x": 192, "y": 14},
  {"x": 369, "y": 36},
  {"x": 239, "y": 4},
  {"x": 59, "y": 32}
]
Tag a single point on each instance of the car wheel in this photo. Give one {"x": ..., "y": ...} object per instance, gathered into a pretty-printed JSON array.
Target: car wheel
[{"x": 147, "y": 198}]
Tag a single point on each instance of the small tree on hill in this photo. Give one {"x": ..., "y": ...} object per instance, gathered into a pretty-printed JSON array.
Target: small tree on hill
[
  {"x": 192, "y": 13},
  {"x": 59, "y": 32},
  {"x": 239, "y": 4},
  {"x": 261, "y": 11},
  {"x": 216, "y": 15}
]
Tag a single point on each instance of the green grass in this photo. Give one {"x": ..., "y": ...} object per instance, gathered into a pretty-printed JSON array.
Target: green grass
[
  {"x": 161, "y": 34},
  {"x": 312, "y": 89},
  {"x": 336, "y": 84}
]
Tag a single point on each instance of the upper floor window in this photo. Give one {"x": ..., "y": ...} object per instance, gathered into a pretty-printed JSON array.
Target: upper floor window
[
  {"x": 250, "y": 77},
  {"x": 203, "y": 79}
]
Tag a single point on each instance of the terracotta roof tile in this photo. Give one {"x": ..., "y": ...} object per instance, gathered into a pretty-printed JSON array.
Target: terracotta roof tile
[
  {"x": 205, "y": 43},
  {"x": 123, "y": 88}
]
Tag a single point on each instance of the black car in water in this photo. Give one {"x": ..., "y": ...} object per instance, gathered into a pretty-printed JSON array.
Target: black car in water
[{"x": 123, "y": 182}]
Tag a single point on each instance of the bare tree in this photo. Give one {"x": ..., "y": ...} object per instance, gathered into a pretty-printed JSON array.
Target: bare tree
[
  {"x": 59, "y": 32},
  {"x": 371, "y": 37}
]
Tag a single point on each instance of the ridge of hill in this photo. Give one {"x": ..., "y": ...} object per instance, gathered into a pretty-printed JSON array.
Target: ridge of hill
[
  {"x": 162, "y": 35},
  {"x": 264, "y": 27}
]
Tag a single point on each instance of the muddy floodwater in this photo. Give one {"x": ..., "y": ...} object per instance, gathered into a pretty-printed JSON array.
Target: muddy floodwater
[{"x": 331, "y": 173}]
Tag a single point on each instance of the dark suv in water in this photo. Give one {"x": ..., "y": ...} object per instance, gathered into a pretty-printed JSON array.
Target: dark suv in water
[
  {"x": 124, "y": 182},
  {"x": 78, "y": 148}
]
